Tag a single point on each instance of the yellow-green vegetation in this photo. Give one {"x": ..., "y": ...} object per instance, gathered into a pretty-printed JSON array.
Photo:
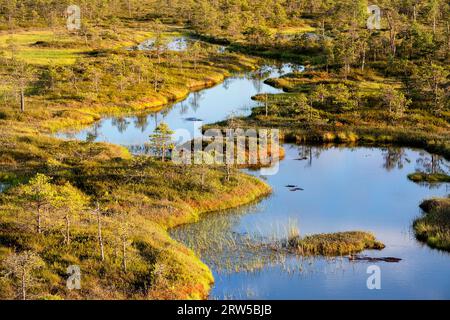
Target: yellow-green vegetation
[
  {"x": 389, "y": 86},
  {"x": 429, "y": 177},
  {"x": 434, "y": 227},
  {"x": 334, "y": 244},
  {"x": 60, "y": 47},
  {"x": 293, "y": 30}
]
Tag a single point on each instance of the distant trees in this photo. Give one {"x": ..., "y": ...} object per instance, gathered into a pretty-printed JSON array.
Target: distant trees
[
  {"x": 123, "y": 231},
  {"x": 98, "y": 215},
  {"x": 345, "y": 52},
  {"x": 158, "y": 44},
  {"x": 319, "y": 93},
  {"x": 394, "y": 20},
  {"x": 257, "y": 35},
  {"x": 195, "y": 52},
  {"x": 205, "y": 17},
  {"x": 343, "y": 98},
  {"x": 301, "y": 105},
  {"x": 205, "y": 161}
]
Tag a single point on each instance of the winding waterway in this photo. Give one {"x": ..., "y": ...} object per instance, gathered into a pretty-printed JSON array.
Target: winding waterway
[{"x": 344, "y": 189}]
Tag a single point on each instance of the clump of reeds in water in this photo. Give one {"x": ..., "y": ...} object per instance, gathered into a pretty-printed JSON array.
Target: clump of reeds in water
[{"x": 332, "y": 244}]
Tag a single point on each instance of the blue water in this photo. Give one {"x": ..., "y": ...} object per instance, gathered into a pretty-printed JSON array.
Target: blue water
[{"x": 345, "y": 189}]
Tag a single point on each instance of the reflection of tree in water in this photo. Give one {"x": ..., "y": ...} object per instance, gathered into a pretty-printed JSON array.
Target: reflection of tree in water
[
  {"x": 394, "y": 158},
  {"x": 195, "y": 100},
  {"x": 120, "y": 123},
  {"x": 160, "y": 116},
  {"x": 92, "y": 135},
  {"x": 258, "y": 76},
  {"x": 155, "y": 118},
  {"x": 226, "y": 83},
  {"x": 141, "y": 122},
  {"x": 431, "y": 163},
  {"x": 309, "y": 153},
  {"x": 184, "y": 108}
]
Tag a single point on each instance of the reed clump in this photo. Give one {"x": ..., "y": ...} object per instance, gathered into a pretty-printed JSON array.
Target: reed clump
[
  {"x": 433, "y": 227},
  {"x": 333, "y": 244}
]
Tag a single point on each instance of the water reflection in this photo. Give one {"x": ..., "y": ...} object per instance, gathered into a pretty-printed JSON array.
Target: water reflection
[
  {"x": 172, "y": 43},
  {"x": 195, "y": 100},
  {"x": 120, "y": 123},
  {"x": 141, "y": 122},
  {"x": 309, "y": 153},
  {"x": 177, "y": 44},
  {"x": 3, "y": 187},
  {"x": 394, "y": 158},
  {"x": 343, "y": 189}
]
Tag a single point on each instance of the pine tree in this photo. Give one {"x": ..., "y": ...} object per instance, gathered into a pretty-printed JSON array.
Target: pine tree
[{"x": 161, "y": 140}]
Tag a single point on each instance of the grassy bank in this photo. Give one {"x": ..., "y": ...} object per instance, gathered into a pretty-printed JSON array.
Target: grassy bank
[
  {"x": 139, "y": 197},
  {"x": 433, "y": 227}
]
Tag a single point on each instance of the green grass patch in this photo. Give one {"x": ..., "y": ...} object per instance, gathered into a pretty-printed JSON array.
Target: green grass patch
[
  {"x": 429, "y": 177},
  {"x": 433, "y": 227}
]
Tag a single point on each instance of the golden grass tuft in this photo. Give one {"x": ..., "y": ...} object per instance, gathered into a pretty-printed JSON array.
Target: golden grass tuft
[{"x": 334, "y": 244}]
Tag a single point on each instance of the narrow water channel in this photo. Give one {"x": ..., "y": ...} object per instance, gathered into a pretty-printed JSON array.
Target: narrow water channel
[{"x": 344, "y": 189}]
